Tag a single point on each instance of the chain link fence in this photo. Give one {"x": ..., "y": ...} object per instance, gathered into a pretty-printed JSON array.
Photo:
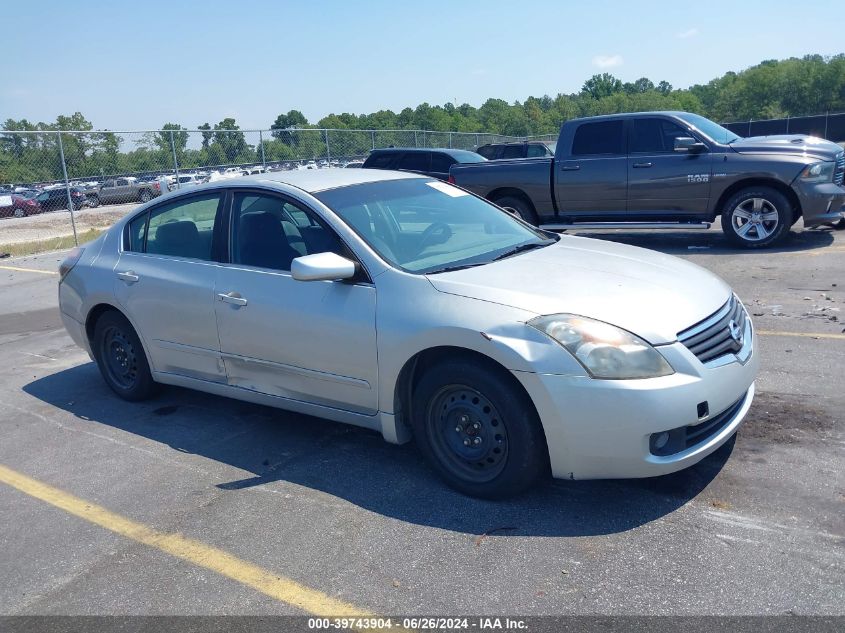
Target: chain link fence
[
  {"x": 828, "y": 126},
  {"x": 75, "y": 183}
]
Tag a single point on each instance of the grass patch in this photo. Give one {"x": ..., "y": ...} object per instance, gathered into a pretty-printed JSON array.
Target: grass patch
[{"x": 52, "y": 244}]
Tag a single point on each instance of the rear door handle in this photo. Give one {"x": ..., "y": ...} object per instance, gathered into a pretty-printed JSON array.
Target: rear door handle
[
  {"x": 570, "y": 167},
  {"x": 642, "y": 165},
  {"x": 129, "y": 276},
  {"x": 233, "y": 298}
]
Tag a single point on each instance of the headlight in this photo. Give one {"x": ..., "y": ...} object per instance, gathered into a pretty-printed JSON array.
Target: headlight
[
  {"x": 818, "y": 172},
  {"x": 604, "y": 350}
]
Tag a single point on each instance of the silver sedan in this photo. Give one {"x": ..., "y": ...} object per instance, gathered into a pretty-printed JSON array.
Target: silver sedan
[{"x": 406, "y": 305}]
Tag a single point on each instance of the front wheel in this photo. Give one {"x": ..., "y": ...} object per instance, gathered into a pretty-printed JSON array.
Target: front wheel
[
  {"x": 19, "y": 213},
  {"x": 145, "y": 196},
  {"x": 121, "y": 359},
  {"x": 93, "y": 201},
  {"x": 757, "y": 217},
  {"x": 478, "y": 430}
]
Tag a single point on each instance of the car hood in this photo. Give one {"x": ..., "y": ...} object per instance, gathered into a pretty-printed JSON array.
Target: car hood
[
  {"x": 794, "y": 144},
  {"x": 650, "y": 294}
]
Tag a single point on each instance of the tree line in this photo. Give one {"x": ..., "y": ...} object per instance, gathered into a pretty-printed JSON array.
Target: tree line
[{"x": 772, "y": 89}]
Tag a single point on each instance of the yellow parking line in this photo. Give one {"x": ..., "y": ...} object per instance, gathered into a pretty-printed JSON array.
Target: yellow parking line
[
  {"x": 29, "y": 270},
  {"x": 839, "y": 337},
  {"x": 187, "y": 549}
]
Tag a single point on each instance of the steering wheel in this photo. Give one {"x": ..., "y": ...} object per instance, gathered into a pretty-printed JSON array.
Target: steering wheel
[{"x": 435, "y": 233}]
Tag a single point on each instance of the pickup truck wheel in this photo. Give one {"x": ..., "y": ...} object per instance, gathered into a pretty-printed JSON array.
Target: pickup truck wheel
[
  {"x": 145, "y": 195},
  {"x": 93, "y": 201},
  {"x": 518, "y": 207},
  {"x": 477, "y": 430},
  {"x": 757, "y": 217}
]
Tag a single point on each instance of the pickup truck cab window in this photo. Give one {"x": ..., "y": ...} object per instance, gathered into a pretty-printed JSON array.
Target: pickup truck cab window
[
  {"x": 599, "y": 138},
  {"x": 654, "y": 136}
]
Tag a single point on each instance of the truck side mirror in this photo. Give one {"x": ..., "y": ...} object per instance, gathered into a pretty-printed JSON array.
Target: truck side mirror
[{"x": 689, "y": 145}]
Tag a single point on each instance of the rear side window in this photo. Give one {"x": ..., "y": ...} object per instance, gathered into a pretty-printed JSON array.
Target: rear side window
[
  {"x": 538, "y": 150},
  {"x": 415, "y": 161},
  {"x": 440, "y": 163},
  {"x": 602, "y": 137},
  {"x": 512, "y": 151},
  {"x": 382, "y": 160},
  {"x": 183, "y": 228},
  {"x": 487, "y": 151}
]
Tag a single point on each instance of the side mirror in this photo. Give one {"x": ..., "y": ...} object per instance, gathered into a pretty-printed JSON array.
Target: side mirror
[
  {"x": 322, "y": 267},
  {"x": 688, "y": 144}
]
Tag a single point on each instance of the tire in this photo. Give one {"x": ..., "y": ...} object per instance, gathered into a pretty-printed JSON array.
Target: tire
[
  {"x": 477, "y": 430},
  {"x": 765, "y": 212},
  {"x": 839, "y": 226},
  {"x": 19, "y": 213},
  {"x": 145, "y": 195},
  {"x": 93, "y": 201},
  {"x": 121, "y": 359},
  {"x": 519, "y": 207}
]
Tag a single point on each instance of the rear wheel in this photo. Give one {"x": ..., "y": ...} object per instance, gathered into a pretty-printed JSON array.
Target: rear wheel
[
  {"x": 518, "y": 207},
  {"x": 121, "y": 359},
  {"x": 93, "y": 201},
  {"x": 145, "y": 196},
  {"x": 757, "y": 217},
  {"x": 479, "y": 432},
  {"x": 20, "y": 213}
]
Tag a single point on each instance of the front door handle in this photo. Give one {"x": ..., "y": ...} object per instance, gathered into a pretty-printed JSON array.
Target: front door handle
[
  {"x": 233, "y": 297},
  {"x": 641, "y": 165},
  {"x": 570, "y": 167},
  {"x": 129, "y": 276}
]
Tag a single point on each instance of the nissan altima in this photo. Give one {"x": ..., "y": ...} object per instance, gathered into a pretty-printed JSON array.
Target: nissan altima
[{"x": 406, "y": 305}]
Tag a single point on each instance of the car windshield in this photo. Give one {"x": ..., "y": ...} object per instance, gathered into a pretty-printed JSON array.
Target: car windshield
[
  {"x": 709, "y": 128},
  {"x": 427, "y": 226}
]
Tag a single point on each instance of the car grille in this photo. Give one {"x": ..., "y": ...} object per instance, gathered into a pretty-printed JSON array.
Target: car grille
[
  {"x": 839, "y": 172},
  {"x": 713, "y": 338}
]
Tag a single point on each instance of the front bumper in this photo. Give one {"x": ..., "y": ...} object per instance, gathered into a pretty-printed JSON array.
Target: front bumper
[
  {"x": 821, "y": 203},
  {"x": 600, "y": 429}
]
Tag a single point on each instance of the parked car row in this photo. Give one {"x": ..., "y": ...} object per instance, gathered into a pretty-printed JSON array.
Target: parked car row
[{"x": 28, "y": 202}]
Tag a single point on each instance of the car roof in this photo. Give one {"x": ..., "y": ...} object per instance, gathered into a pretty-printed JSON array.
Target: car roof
[
  {"x": 461, "y": 155},
  {"x": 628, "y": 115},
  {"x": 313, "y": 180}
]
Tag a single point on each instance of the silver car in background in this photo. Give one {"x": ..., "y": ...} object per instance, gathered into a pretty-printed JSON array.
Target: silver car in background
[{"x": 403, "y": 304}]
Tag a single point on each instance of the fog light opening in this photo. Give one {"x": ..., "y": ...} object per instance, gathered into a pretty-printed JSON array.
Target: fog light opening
[{"x": 660, "y": 440}]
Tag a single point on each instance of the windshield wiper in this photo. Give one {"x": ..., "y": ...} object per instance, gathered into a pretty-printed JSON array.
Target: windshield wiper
[
  {"x": 448, "y": 269},
  {"x": 522, "y": 248}
]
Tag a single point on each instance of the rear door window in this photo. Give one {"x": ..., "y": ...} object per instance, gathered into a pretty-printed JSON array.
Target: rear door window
[
  {"x": 440, "y": 163},
  {"x": 183, "y": 228},
  {"x": 513, "y": 151},
  {"x": 416, "y": 161},
  {"x": 382, "y": 160},
  {"x": 535, "y": 151},
  {"x": 599, "y": 138}
]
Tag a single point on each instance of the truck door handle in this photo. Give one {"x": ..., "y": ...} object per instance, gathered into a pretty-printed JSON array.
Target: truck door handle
[
  {"x": 129, "y": 277},
  {"x": 570, "y": 167},
  {"x": 233, "y": 298},
  {"x": 641, "y": 165}
]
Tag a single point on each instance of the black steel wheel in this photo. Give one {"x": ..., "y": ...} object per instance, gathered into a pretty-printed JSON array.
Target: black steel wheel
[
  {"x": 478, "y": 429},
  {"x": 121, "y": 358}
]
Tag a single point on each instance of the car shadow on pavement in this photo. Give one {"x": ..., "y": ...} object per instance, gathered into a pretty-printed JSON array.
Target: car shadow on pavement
[
  {"x": 711, "y": 242},
  {"x": 359, "y": 466}
]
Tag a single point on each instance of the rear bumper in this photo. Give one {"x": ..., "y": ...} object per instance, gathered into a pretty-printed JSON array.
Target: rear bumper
[
  {"x": 601, "y": 429},
  {"x": 820, "y": 203},
  {"x": 77, "y": 332}
]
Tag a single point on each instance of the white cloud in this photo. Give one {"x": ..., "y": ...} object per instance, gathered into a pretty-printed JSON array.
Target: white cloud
[
  {"x": 683, "y": 35},
  {"x": 607, "y": 61}
]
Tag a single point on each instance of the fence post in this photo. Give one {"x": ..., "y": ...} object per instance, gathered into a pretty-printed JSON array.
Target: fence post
[
  {"x": 787, "y": 124},
  {"x": 826, "y": 115},
  {"x": 374, "y": 138},
  {"x": 175, "y": 162},
  {"x": 416, "y": 144},
  {"x": 328, "y": 149},
  {"x": 450, "y": 140},
  {"x": 261, "y": 145},
  {"x": 476, "y": 141},
  {"x": 749, "y": 127},
  {"x": 67, "y": 189}
]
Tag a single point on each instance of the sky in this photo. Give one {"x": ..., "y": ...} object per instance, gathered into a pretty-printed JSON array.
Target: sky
[{"x": 137, "y": 65}]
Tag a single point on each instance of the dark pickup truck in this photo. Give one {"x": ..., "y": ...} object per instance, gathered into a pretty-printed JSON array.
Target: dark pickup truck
[{"x": 668, "y": 170}]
